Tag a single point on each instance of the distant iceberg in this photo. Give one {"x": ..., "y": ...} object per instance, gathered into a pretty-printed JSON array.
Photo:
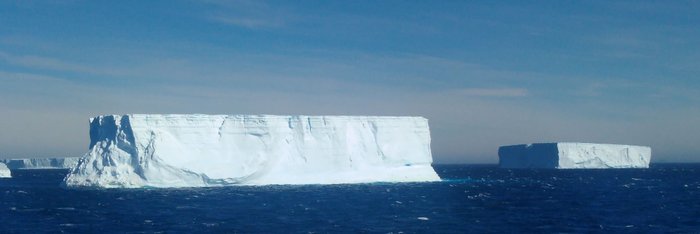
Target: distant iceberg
[
  {"x": 216, "y": 150},
  {"x": 41, "y": 163},
  {"x": 4, "y": 171},
  {"x": 574, "y": 155}
]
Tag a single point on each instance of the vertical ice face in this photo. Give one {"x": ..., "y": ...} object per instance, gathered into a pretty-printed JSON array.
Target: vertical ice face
[
  {"x": 587, "y": 155},
  {"x": 574, "y": 155},
  {"x": 4, "y": 171},
  {"x": 210, "y": 150}
]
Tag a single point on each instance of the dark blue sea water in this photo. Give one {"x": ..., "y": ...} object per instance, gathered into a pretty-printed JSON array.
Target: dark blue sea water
[{"x": 473, "y": 198}]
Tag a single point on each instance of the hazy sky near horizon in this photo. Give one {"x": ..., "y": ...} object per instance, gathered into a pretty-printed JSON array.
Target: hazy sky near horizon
[{"x": 485, "y": 73}]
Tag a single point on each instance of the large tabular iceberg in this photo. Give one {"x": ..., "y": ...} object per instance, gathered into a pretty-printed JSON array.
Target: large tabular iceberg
[
  {"x": 4, "y": 171},
  {"x": 574, "y": 155},
  {"x": 212, "y": 150},
  {"x": 41, "y": 163}
]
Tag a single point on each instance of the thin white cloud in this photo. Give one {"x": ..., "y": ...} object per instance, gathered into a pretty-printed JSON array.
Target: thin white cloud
[
  {"x": 40, "y": 62},
  {"x": 14, "y": 76},
  {"x": 494, "y": 92},
  {"x": 251, "y": 23},
  {"x": 248, "y": 14}
]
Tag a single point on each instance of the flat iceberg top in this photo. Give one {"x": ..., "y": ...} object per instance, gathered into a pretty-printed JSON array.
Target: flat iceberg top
[
  {"x": 579, "y": 144},
  {"x": 266, "y": 117},
  {"x": 569, "y": 155},
  {"x": 208, "y": 150}
]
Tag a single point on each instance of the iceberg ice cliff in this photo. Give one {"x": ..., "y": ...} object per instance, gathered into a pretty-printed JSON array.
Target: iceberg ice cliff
[
  {"x": 574, "y": 155},
  {"x": 213, "y": 150},
  {"x": 41, "y": 163},
  {"x": 4, "y": 171}
]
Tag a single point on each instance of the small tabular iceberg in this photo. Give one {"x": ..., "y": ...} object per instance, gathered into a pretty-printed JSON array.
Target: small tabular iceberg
[
  {"x": 41, "y": 163},
  {"x": 215, "y": 150},
  {"x": 574, "y": 155},
  {"x": 4, "y": 171}
]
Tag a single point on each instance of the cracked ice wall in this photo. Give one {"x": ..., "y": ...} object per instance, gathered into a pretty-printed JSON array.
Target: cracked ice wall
[{"x": 211, "y": 150}]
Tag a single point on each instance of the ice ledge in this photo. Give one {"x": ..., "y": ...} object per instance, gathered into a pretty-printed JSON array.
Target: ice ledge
[
  {"x": 41, "y": 163},
  {"x": 571, "y": 155}
]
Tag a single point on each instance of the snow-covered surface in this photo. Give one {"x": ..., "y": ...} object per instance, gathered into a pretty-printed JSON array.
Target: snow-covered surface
[
  {"x": 213, "y": 150},
  {"x": 4, "y": 171},
  {"x": 41, "y": 163},
  {"x": 574, "y": 155}
]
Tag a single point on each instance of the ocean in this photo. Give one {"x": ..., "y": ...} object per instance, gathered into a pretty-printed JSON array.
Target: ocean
[{"x": 471, "y": 199}]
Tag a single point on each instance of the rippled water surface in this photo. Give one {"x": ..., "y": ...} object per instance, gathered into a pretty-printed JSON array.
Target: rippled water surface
[{"x": 473, "y": 198}]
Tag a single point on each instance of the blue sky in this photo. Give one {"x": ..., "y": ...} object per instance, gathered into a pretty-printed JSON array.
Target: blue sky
[{"x": 486, "y": 73}]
